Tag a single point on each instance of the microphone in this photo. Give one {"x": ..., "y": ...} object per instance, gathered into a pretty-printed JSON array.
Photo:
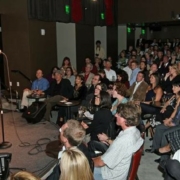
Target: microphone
[{"x": 0, "y": 51}]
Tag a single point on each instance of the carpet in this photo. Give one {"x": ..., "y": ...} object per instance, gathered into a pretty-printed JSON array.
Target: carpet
[{"x": 29, "y": 142}]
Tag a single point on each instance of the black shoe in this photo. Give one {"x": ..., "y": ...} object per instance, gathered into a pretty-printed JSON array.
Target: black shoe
[
  {"x": 156, "y": 151},
  {"x": 150, "y": 139},
  {"x": 157, "y": 160},
  {"x": 149, "y": 150}
]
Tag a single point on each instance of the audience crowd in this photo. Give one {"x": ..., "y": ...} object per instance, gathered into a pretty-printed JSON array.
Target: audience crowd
[{"x": 114, "y": 102}]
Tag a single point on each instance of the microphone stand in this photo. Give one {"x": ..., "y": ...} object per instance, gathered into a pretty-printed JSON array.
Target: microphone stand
[{"x": 4, "y": 144}]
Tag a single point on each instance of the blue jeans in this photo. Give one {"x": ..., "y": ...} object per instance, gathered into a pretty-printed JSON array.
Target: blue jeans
[{"x": 97, "y": 174}]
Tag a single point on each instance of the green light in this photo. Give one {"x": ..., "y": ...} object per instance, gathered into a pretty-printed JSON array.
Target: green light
[
  {"x": 143, "y": 31},
  {"x": 129, "y": 30},
  {"x": 102, "y": 16},
  {"x": 67, "y": 9}
]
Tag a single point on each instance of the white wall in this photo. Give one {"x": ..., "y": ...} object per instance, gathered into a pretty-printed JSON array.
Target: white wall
[
  {"x": 137, "y": 33},
  {"x": 66, "y": 42},
  {"x": 100, "y": 34},
  {"x": 122, "y": 38}
]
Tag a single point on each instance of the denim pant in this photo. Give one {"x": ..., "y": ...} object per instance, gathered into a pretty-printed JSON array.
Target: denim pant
[{"x": 97, "y": 174}]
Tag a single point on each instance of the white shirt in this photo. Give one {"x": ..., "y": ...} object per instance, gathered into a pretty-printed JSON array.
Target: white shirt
[
  {"x": 111, "y": 74},
  {"x": 129, "y": 71},
  {"x": 118, "y": 156}
]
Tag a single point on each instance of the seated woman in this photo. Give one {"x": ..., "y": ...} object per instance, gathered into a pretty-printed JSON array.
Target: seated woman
[
  {"x": 122, "y": 77},
  {"x": 169, "y": 124},
  {"x": 104, "y": 79},
  {"x": 69, "y": 75},
  {"x": 74, "y": 166},
  {"x": 169, "y": 78},
  {"x": 118, "y": 92},
  {"x": 79, "y": 94},
  {"x": 50, "y": 77},
  {"x": 102, "y": 117},
  {"x": 154, "y": 94}
]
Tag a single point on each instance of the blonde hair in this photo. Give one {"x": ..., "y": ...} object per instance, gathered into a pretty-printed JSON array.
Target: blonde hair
[
  {"x": 24, "y": 175},
  {"x": 175, "y": 66},
  {"x": 75, "y": 166}
]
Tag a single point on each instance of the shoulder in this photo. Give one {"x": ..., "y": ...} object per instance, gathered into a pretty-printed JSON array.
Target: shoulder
[{"x": 44, "y": 80}]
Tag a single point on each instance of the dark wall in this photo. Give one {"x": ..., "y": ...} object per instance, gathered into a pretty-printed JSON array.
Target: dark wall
[
  {"x": 112, "y": 42},
  {"x": 84, "y": 44},
  {"x": 26, "y": 49},
  {"x": 43, "y": 51},
  {"x": 134, "y": 11},
  {"x": 166, "y": 32}
]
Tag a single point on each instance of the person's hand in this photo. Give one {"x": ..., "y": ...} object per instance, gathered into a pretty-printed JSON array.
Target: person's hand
[
  {"x": 163, "y": 110},
  {"x": 39, "y": 92},
  {"x": 27, "y": 89},
  {"x": 167, "y": 122},
  {"x": 102, "y": 137},
  {"x": 137, "y": 102},
  {"x": 84, "y": 125}
]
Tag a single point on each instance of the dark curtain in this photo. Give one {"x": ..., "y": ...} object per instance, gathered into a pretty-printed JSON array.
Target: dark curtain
[{"x": 54, "y": 10}]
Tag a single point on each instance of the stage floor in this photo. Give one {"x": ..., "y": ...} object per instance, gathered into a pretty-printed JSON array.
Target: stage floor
[{"x": 26, "y": 153}]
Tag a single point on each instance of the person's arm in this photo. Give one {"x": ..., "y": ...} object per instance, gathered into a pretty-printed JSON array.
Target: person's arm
[
  {"x": 159, "y": 93},
  {"x": 169, "y": 120},
  {"x": 98, "y": 162},
  {"x": 45, "y": 85},
  {"x": 166, "y": 104}
]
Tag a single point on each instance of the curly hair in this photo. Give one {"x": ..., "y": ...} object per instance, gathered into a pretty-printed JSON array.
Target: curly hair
[{"x": 120, "y": 88}]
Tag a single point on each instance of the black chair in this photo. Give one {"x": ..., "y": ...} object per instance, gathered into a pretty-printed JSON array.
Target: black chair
[{"x": 5, "y": 159}]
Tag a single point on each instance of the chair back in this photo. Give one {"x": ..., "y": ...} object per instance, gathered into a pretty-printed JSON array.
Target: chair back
[
  {"x": 5, "y": 158},
  {"x": 135, "y": 161}
]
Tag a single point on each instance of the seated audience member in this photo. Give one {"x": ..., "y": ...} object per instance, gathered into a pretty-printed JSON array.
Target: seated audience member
[
  {"x": 80, "y": 89},
  {"x": 98, "y": 63},
  {"x": 138, "y": 89},
  {"x": 38, "y": 87},
  {"x": 23, "y": 175},
  {"x": 110, "y": 74},
  {"x": 79, "y": 94},
  {"x": 93, "y": 68},
  {"x": 69, "y": 75},
  {"x": 96, "y": 80},
  {"x": 164, "y": 65},
  {"x": 102, "y": 117},
  {"x": 50, "y": 77},
  {"x": 171, "y": 119},
  {"x": 118, "y": 92},
  {"x": 159, "y": 58},
  {"x": 135, "y": 70},
  {"x": 74, "y": 165},
  {"x": 104, "y": 79},
  {"x": 67, "y": 63},
  {"x": 153, "y": 94},
  {"x": 169, "y": 78},
  {"x": 173, "y": 58},
  {"x": 90, "y": 102},
  {"x": 128, "y": 69},
  {"x": 72, "y": 134},
  {"x": 99, "y": 51},
  {"x": 172, "y": 169},
  {"x": 115, "y": 162},
  {"x": 122, "y": 59},
  {"x": 153, "y": 69},
  {"x": 122, "y": 77},
  {"x": 60, "y": 89},
  {"x": 88, "y": 76},
  {"x": 143, "y": 66}
]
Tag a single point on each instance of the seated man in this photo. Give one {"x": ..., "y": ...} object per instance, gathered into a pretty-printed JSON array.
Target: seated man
[
  {"x": 71, "y": 134},
  {"x": 110, "y": 74},
  {"x": 60, "y": 89},
  {"x": 138, "y": 89},
  {"x": 115, "y": 162},
  {"x": 38, "y": 86}
]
